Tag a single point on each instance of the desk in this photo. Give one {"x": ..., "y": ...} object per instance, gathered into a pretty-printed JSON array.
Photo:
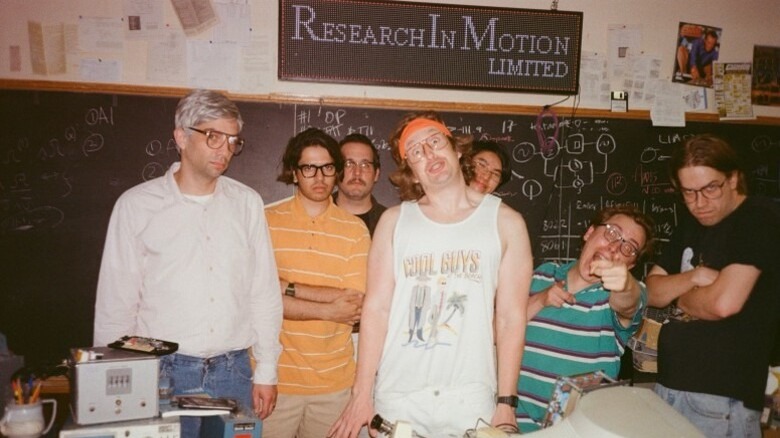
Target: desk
[{"x": 58, "y": 388}]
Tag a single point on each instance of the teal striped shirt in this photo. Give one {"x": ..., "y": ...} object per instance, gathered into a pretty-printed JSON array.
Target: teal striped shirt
[{"x": 573, "y": 339}]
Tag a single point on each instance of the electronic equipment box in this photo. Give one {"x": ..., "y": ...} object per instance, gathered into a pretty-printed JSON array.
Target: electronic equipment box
[{"x": 112, "y": 385}]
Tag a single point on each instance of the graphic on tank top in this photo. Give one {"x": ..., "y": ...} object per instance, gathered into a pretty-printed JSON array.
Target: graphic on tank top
[{"x": 438, "y": 286}]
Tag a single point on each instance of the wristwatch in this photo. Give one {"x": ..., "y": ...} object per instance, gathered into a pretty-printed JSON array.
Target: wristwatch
[
  {"x": 510, "y": 400},
  {"x": 290, "y": 290}
]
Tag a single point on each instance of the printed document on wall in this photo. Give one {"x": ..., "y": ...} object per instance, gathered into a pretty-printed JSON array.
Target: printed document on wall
[{"x": 732, "y": 82}]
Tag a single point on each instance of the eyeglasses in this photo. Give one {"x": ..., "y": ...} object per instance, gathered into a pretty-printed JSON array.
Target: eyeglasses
[
  {"x": 364, "y": 166},
  {"x": 215, "y": 139},
  {"x": 613, "y": 234},
  {"x": 482, "y": 166},
  {"x": 310, "y": 170},
  {"x": 416, "y": 152},
  {"x": 712, "y": 190}
]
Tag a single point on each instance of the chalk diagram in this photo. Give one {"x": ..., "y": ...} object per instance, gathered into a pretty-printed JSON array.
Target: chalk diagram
[
  {"x": 766, "y": 176},
  {"x": 20, "y": 191},
  {"x": 157, "y": 150},
  {"x": 573, "y": 165},
  {"x": 18, "y": 198}
]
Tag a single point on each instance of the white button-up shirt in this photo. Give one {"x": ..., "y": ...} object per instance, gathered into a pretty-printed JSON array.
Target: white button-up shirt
[{"x": 199, "y": 274}]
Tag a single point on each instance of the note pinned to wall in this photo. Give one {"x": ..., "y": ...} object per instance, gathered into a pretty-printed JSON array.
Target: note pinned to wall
[
  {"x": 213, "y": 65},
  {"x": 47, "y": 48},
  {"x": 100, "y": 70},
  {"x": 15, "y": 58},
  {"x": 167, "y": 59},
  {"x": 195, "y": 16},
  {"x": 100, "y": 34},
  {"x": 669, "y": 107},
  {"x": 594, "y": 83},
  {"x": 234, "y": 24},
  {"x": 732, "y": 82},
  {"x": 143, "y": 18}
]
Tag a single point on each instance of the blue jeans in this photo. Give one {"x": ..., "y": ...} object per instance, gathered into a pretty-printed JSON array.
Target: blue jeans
[
  {"x": 228, "y": 375},
  {"x": 713, "y": 415}
]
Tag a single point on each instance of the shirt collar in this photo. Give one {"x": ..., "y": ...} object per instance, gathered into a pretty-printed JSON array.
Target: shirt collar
[
  {"x": 299, "y": 210},
  {"x": 221, "y": 188}
]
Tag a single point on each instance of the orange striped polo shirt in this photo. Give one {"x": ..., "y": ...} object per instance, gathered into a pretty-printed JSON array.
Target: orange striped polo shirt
[{"x": 329, "y": 250}]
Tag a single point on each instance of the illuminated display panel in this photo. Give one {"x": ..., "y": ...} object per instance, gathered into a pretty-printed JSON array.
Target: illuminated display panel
[{"x": 429, "y": 45}]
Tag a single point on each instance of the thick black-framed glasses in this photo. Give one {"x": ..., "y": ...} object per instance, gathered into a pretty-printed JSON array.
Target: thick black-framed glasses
[
  {"x": 712, "y": 190},
  {"x": 613, "y": 234},
  {"x": 215, "y": 139},
  {"x": 309, "y": 170}
]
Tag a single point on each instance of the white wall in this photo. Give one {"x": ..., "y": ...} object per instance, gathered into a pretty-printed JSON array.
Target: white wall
[{"x": 744, "y": 24}]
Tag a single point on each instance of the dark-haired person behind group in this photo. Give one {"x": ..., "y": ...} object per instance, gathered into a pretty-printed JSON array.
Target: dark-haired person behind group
[
  {"x": 356, "y": 184},
  {"x": 721, "y": 268},
  {"x": 581, "y": 313},
  {"x": 486, "y": 166}
]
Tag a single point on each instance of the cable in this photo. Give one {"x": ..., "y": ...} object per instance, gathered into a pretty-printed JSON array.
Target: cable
[{"x": 546, "y": 144}]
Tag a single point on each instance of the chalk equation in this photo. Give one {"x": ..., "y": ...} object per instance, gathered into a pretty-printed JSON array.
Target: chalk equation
[
  {"x": 765, "y": 174},
  {"x": 561, "y": 230},
  {"x": 161, "y": 155},
  {"x": 338, "y": 123},
  {"x": 36, "y": 179}
]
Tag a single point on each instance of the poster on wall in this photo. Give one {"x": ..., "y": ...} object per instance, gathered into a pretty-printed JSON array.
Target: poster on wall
[
  {"x": 697, "y": 48},
  {"x": 766, "y": 76},
  {"x": 731, "y": 83},
  {"x": 382, "y": 42}
]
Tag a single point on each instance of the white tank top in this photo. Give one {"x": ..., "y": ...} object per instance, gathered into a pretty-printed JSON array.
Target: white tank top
[{"x": 440, "y": 331}]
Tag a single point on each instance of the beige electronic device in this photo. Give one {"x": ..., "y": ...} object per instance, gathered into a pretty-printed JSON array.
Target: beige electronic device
[{"x": 112, "y": 385}]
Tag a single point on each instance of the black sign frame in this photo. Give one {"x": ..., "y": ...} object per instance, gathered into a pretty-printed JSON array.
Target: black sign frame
[{"x": 373, "y": 42}]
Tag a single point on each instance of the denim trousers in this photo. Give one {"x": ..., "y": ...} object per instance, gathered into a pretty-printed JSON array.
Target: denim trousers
[
  {"x": 713, "y": 415},
  {"x": 227, "y": 375}
]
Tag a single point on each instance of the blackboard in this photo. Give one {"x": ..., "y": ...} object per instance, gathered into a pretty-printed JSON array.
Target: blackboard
[{"x": 65, "y": 157}]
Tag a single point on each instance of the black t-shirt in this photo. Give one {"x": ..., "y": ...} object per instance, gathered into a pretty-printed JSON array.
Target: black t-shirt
[
  {"x": 728, "y": 357},
  {"x": 371, "y": 217}
]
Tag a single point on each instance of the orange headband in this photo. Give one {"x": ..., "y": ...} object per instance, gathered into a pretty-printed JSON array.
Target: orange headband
[{"x": 414, "y": 126}]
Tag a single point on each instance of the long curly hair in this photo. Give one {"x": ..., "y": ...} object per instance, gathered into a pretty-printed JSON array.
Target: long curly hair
[{"x": 403, "y": 177}]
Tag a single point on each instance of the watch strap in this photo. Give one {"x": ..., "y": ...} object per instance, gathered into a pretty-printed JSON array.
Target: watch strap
[
  {"x": 290, "y": 290},
  {"x": 511, "y": 400}
]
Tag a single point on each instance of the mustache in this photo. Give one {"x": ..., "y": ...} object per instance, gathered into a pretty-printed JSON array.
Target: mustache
[{"x": 355, "y": 181}]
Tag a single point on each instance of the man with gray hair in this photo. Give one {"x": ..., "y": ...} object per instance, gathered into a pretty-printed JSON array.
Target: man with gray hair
[{"x": 188, "y": 259}]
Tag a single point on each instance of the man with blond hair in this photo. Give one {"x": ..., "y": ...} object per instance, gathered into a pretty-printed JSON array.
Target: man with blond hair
[{"x": 445, "y": 267}]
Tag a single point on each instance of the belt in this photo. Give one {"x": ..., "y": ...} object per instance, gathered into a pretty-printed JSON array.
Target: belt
[{"x": 213, "y": 360}]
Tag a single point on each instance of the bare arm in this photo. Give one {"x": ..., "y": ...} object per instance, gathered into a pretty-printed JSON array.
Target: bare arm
[
  {"x": 514, "y": 281},
  {"x": 724, "y": 297},
  {"x": 663, "y": 288},
  {"x": 553, "y": 296},
  {"x": 319, "y": 294},
  {"x": 373, "y": 328},
  {"x": 323, "y": 303}
]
